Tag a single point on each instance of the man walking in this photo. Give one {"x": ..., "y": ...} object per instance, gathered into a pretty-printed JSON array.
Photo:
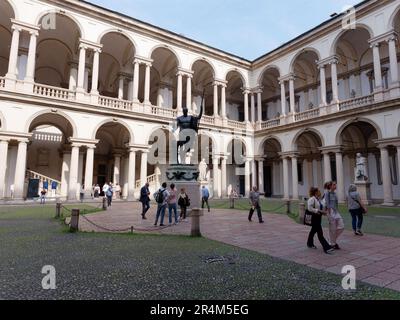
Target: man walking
[
  {"x": 255, "y": 204},
  {"x": 205, "y": 195},
  {"x": 161, "y": 196},
  {"x": 145, "y": 199}
]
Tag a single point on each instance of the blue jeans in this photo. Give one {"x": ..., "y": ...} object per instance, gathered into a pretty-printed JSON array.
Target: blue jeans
[
  {"x": 170, "y": 208},
  {"x": 357, "y": 219},
  {"x": 161, "y": 211}
]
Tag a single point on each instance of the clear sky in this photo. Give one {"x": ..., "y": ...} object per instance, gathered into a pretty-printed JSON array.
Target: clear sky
[{"x": 247, "y": 28}]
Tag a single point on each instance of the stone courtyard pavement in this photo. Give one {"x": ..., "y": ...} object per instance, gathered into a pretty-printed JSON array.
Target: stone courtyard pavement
[{"x": 376, "y": 258}]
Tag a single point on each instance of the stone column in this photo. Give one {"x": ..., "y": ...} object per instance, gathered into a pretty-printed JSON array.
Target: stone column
[
  {"x": 73, "y": 172},
  {"x": 12, "y": 62},
  {"x": 285, "y": 163},
  {"x": 147, "y": 84},
  {"x": 246, "y": 105},
  {"x": 398, "y": 161},
  {"x": 215, "y": 176},
  {"x": 20, "y": 169},
  {"x": 340, "y": 177},
  {"x": 143, "y": 167},
  {"x": 117, "y": 169},
  {"x": 327, "y": 167},
  {"x": 189, "y": 92},
  {"x": 223, "y": 177},
  {"x": 3, "y": 166},
  {"x": 386, "y": 177},
  {"x": 295, "y": 178},
  {"x": 292, "y": 97},
  {"x": 253, "y": 174},
  {"x": 377, "y": 66},
  {"x": 81, "y": 69},
  {"x": 80, "y": 174},
  {"x": 259, "y": 106},
  {"x": 252, "y": 108},
  {"x": 135, "y": 94},
  {"x": 323, "y": 84},
  {"x": 130, "y": 90},
  {"x": 179, "y": 92},
  {"x": 121, "y": 87},
  {"x": 30, "y": 69},
  {"x": 283, "y": 98},
  {"x": 247, "y": 185},
  {"x": 89, "y": 170},
  {"x": 73, "y": 77},
  {"x": 223, "y": 101},
  {"x": 132, "y": 174},
  {"x": 261, "y": 175},
  {"x": 65, "y": 173},
  {"x": 335, "y": 89},
  {"x": 95, "y": 71},
  {"x": 216, "y": 99},
  {"x": 394, "y": 69}
]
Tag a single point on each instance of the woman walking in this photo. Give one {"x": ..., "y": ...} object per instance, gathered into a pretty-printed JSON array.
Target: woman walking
[
  {"x": 357, "y": 209},
  {"x": 184, "y": 203},
  {"x": 336, "y": 224},
  {"x": 315, "y": 206}
]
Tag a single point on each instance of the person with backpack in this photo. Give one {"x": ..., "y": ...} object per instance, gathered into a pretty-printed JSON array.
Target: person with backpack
[
  {"x": 109, "y": 194},
  {"x": 357, "y": 209},
  {"x": 184, "y": 203},
  {"x": 161, "y": 197},
  {"x": 315, "y": 206}
]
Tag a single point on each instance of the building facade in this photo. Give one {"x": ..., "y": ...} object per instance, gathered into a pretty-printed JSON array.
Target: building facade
[{"x": 88, "y": 95}]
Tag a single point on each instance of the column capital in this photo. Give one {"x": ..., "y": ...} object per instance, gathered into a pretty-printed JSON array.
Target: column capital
[
  {"x": 219, "y": 82},
  {"x": 87, "y": 143},
  {"x": 246, "y": 90},
  {"x": 385, "y": 37},
  {"x": 288, "y": 77},
  {"x": 331, "y": 149},
  {"x": 384, "y": 143},
  {"x": 258, "y": 89},
  {"x": 89, "y": 45},
  {"x": 185, "y": 72},
  {"x": 23, "y": 26},
  {"x": 143, "y": 60}
]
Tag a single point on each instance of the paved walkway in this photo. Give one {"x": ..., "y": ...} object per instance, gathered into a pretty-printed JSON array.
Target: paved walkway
[{"x": 377, "y": 258}]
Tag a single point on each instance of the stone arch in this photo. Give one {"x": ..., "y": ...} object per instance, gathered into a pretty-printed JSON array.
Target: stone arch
[
  {"x": 339, "y": 36},
  {"x": 118, "y": 31},
  {"x": 55, "y": 113},
  {"x": 205, "y": 60},
  {"x": 112, "y": 120},
  {"x": 14, "y": 8},
  {"x": 267, "y": 138},
  {"x": 355, "y": 120},
  {"x": 307, "y": 130},
  {"x": 267, "y": 68},
  {"x": 240, "y": 138},
  {"x": 240, "y": 73},
  {"x": 392, "y": 18},
  {"x": 166, "y": 47},
  {"x": 66, "y": 14},
  {"x": 300, "y": 52},
  {"x": 170, "y": 129},
  {"x": 211, "y": 137}
]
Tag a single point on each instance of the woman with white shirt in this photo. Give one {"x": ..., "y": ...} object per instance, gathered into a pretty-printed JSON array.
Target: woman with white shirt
[{"x": 315, "y": 206}]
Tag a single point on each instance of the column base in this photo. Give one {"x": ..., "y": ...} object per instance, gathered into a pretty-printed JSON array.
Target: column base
[
  {"x": 10, "y": 82},
  {"x": 378, "y": 95},
  {"x": 395, "y": 91},
  {"x": 388, "y": 204}
]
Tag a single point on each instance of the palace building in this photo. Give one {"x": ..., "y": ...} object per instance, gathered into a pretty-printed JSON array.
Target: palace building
[{"x": 86, "y": 93}]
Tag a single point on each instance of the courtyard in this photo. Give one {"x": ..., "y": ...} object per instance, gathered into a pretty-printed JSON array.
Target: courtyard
[{"x": 234, "y": 259}]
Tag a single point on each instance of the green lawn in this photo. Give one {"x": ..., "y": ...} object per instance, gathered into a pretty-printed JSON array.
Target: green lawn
[
  {"x": 115, "y": 266},
  {"x": 379, "y": 220}
]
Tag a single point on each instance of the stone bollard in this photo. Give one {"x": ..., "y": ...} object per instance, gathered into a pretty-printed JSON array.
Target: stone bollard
[
  {"x": 58, "y": 210},
  {"x": 288, "y": 210},
  {"x": 74, "y": 226},
  {"x": 195, "y": 215},
  {"x": 302, "y": 211},
  {"x": 105, "y": 204}
]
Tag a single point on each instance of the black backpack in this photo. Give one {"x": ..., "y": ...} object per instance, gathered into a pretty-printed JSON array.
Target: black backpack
[{"x": 160, "y": 196}]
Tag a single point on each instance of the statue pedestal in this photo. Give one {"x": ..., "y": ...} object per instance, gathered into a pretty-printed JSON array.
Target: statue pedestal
[
  {"x": 364, "y": 189},
  {"x": 185, "y": 176}
]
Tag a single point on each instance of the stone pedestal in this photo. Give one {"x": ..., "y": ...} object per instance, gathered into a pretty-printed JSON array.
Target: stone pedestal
[
  {"x": 185, "y": 176},
  {"x": 364, "y": 189}
]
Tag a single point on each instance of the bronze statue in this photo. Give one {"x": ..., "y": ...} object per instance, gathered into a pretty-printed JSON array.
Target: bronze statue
[{"x": 187, "y": 122}]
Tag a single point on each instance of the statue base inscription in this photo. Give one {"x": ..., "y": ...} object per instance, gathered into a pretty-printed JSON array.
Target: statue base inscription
[
  {"x": 364, "y": 189},
  {"x": 186, "y": 176}
]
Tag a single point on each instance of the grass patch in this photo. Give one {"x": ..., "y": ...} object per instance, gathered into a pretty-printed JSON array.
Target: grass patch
[{"x": 136, "y": 266}]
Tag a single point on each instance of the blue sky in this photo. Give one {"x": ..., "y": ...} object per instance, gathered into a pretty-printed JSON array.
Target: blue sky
[{"x": 247, "y": 28}]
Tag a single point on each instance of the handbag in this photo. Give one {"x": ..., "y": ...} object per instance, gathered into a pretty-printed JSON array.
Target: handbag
[
  {"x": 308, "y": 218},
  {"x": 363, "y": 211}
]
